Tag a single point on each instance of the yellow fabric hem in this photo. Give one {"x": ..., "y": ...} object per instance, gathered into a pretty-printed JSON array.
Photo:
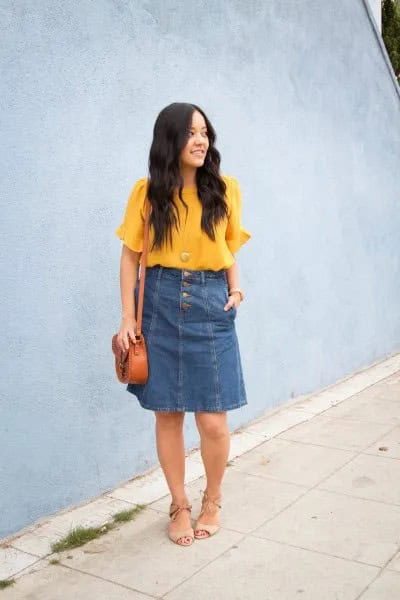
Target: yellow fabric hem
[
  {"x": 120, "y": 232},
  {"x": 236, "y": 244}
]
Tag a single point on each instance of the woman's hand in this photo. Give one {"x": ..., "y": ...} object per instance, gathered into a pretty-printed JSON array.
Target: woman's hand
[
  {"x": 234, "y": 300},
  {"x": 126, "y": 331}
]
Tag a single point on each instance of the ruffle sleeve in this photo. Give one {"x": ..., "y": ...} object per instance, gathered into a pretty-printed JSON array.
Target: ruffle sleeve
[
  {"x": 131, "y": 229},
  {"x": 236, "y": 235}
]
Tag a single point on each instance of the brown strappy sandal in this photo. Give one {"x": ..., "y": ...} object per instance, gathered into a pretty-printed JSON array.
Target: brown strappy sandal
[
  {"x": 174, "y": 511},
  {"x": 210, "y": 529}
]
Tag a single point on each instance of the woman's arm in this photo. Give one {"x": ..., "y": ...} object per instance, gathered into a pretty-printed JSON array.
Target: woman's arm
[
  {"x": 232, "y": 275},
  {"x": 129, "y": 267}
]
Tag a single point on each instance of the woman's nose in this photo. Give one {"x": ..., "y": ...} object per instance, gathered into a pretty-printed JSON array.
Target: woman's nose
[{"x": 198, "y": 138}]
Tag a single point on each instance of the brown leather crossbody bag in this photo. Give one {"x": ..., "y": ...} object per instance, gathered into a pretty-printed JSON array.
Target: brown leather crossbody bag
[{"x": 131, "y": 365}]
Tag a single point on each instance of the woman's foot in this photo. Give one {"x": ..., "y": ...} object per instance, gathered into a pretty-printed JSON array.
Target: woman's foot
[
  {"x": 180, "y": 529},
  {"x": 207, "y": 523}
]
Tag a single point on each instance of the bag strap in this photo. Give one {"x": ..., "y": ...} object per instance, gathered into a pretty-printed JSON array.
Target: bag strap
[{"x": 143, "y": 261}]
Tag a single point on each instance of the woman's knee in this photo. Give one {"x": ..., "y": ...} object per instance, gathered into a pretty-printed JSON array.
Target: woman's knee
[
  {"x": 212, "y": 425},
  {"x": 169, "y": 420}
]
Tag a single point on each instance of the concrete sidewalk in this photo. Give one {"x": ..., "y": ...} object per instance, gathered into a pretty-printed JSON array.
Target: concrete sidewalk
[{"x": 311, "y": 510}]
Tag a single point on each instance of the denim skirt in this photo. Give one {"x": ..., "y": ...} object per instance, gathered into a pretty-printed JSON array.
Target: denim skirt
[{"x": 192, "y": 346}]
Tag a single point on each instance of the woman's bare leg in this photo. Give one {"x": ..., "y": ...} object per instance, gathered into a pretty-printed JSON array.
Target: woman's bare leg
[
  {"x": 171, "y": 454},
  {"x": 215, "y": 444}
]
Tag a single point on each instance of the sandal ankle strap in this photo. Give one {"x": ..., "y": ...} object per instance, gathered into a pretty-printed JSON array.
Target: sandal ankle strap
[
  {"x": 175, "y": 509},
  {"x": 207, "y": 500}
]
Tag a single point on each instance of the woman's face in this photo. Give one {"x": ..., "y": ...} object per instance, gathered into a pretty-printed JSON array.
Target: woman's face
[{"x": 194, "y": 153}]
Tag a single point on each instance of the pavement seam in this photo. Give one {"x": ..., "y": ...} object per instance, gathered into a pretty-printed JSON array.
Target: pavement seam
[
  {"x": 357, "y": 452},
  {"x": 207, "y": 564},
  {"x": 315, "y": 487},
  {"x": 358, "y": 420},
  {"x": 360, "y": 497},
  {"x": 21, "y": 573},
  {"x": 379, "y": 574},
  {"x": 122, "y": 585},
  {"x": 318, "y": 484},
  {"x": 345, "y": 558},
  {"x": 252, "y": 532},
  {"x": 250, "y": 535}
]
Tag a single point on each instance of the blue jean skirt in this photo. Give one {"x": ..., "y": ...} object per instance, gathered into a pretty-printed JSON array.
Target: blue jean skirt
[{"x": 192, "y": 346}]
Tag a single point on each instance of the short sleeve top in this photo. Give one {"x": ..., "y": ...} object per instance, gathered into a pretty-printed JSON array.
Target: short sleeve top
[{"x": 191, "y": 246}]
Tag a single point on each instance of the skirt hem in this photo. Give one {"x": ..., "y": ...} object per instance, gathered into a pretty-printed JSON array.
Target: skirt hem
[{"x": 215, "y": 409}]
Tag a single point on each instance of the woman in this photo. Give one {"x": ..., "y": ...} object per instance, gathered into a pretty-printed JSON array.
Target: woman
[{"x": 191, "y": 297}]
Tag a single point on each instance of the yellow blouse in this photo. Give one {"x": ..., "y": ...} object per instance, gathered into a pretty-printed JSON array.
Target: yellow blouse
[{"x": 191, "y": 247}]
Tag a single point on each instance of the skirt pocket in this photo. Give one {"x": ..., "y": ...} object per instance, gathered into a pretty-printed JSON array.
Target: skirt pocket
[{"x": 218, "y": 297}]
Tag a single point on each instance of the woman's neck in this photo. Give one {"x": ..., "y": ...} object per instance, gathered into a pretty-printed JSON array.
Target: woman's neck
[{"x": 189, "y": 176}]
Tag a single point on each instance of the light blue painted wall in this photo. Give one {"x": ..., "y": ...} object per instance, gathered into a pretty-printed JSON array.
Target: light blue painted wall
[{"x": 308, "y": 120}]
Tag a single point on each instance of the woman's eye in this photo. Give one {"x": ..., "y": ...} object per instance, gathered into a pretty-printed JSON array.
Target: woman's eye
[{"x": 203, "y": 133}]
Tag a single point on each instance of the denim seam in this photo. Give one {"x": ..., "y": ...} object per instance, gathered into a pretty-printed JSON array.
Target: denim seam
[
  {"x": 240, "y": 371},
  {"x": 214, "y": 355},
  {"x": 238, "y": 368},
  {"x": 153, "y": 318},
  {"x": 180, "y": 349}
]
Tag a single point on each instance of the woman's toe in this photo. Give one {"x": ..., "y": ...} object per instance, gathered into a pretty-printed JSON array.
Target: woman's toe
[
  {"x": 184, "y": 541},
  {"x": 201, "y": 532}
]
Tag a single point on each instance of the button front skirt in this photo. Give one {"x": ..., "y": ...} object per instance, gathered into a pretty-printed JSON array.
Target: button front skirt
[{"x": 192, "y": 345}]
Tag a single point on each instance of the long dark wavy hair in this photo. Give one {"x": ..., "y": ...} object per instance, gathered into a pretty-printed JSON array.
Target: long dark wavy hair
[{"x": 170, "y": 135}]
